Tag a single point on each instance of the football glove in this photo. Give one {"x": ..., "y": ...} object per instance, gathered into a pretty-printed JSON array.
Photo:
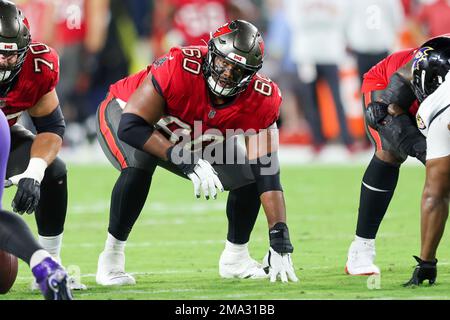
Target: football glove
[
  {"x": 199, "y": 171},
  {"x": 425, "y": 270},
  {"x": 278, "y": 262},
  {"x": 404, "y": 136},
  {"x": 28, "y": 186},
  {"x": 375, "y": 113},
  {"x": 279, "y": 265}
]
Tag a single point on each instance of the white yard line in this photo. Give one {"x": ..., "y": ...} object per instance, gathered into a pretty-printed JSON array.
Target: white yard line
[
  {"x": 163, "y": 208},
  {"x": 146, "y": 244}
]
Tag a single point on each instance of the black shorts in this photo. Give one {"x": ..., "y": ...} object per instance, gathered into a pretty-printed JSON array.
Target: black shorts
[{"x": 123, "y": 156}]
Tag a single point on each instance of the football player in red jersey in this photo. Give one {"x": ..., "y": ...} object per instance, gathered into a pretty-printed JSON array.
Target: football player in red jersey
[
  {"x": 391, "y": 102},
  {"x": 28, "y": 75},
  {"x": 17, "y": 239},
  {"x": 146, "y": 120}
]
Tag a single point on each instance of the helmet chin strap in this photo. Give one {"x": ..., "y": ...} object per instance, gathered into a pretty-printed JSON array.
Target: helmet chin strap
[{"x": 4, "y": 75}]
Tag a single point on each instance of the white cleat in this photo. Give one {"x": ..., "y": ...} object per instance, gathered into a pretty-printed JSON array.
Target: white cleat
[
  {"x": 240, "y": 265},
  {"x": 72, "y": 282},
  {"x": 111, "y": 270},
  {"x": 361, "y": 257}
]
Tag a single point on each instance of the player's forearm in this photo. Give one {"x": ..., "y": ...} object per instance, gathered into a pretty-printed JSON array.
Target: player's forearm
[
  {"x": 157, "y": 145},
  {"x": 274, "y": 207},
  {"x": 398, "y": 92},
  {"x": 138, "y": 133},
  {"x": 46, "y": 146},
  {"x": 434, "y": 205}
]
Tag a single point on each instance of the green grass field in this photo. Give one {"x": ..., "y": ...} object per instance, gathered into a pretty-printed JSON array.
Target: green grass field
[{"x": 175, "y": 246}]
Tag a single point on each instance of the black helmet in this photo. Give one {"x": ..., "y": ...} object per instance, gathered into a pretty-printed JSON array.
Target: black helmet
[
  {"x": 15, "y": 38},
  {"x": 430, "y": 65},
  {"x": 240, "y": 44}
]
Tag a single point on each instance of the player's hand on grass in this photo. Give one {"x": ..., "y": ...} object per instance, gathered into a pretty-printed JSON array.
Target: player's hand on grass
[
  {"x": 279, "y": 266},
  {"x": 199, "y": 171},
  {"x": 28, "y": 186},
  {"x": 425, "y": 270}
]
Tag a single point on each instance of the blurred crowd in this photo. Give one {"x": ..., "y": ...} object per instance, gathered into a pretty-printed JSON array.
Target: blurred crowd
[{"x": 316, "y": 50}]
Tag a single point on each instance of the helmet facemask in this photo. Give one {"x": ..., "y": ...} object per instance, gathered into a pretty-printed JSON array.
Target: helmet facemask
[
  {"x": 10, "y": 67},
  {"x": 15, "y": 40},
  {"x": 226, "y": 77}
]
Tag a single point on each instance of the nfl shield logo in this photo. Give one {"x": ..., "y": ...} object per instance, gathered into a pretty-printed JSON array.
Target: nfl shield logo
[{"x": 211, "y": 114}]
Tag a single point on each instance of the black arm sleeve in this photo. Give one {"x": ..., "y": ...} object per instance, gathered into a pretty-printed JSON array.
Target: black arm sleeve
[
  {"x": 53, "y": 122},
  {"x": 267, "y": 173},
  {"x": 134, "y": 130},
  {"x": 399, "y": 92}
]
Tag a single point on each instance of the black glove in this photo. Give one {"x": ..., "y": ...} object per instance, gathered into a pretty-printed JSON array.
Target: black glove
[
  {"x": 279, "y": 238},
  {"x": 375, "y": 113},
  {"x": 404, "y": 137},
  {"x": 27, "y": 196},
  {"x": 425, "y": 270}
]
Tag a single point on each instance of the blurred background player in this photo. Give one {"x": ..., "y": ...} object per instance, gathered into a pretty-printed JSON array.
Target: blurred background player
[
  {"x": 219, "y": 86},
  {"x": 29, "y": 72},
  {"x": 318, "y": 25},
  {"x": 372, "y": 30},
  {"x": 391, "y": 104},
  {"x": 17, "y": 239},
  {"x": 432, "y": 86},
  {"x": 189, "y": 22}
]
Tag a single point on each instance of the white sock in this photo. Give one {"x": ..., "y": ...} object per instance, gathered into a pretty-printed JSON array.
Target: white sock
[
  {"x": 236, "y": 248},
  {"x": 368, "y": 241},
  {"x": 37, "y": 257},
  {"x": 52, "y": 245},
  {"x": 113, "y": 244}
]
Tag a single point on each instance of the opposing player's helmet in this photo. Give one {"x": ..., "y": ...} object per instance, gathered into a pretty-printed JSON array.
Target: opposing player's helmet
[
  {"x": 240, "y": 44},
  {"x": 430, "y": 65},
  {"x": 15, "y": 39}
]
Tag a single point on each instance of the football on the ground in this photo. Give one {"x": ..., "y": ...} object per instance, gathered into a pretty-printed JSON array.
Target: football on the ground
[{"x": 8, "y": 271}]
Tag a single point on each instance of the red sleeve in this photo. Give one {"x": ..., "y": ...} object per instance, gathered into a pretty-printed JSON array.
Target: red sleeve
[
  {"x": 163, "y": 70},
  {"x": 269, "y": 112},
  {"x": 53, "y": 75},
  {"x": 46, "y": 67}
]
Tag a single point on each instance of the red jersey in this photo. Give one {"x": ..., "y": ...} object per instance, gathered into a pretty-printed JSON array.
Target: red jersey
[
  {"x": 377, "y": 78},
  {"x": 180, "y": 80},
  {"x": 39, "y": 75}
]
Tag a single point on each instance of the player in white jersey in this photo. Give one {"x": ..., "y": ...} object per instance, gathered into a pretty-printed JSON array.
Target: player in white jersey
[{"x": 431, "y": 84}]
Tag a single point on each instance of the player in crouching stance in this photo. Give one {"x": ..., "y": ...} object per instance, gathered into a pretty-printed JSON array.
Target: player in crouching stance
[
  {"x": 432, "y": 86},
  {"x": 391, "y": 102},
  {"x": 138, "y": 125},
  {"x": 29, "y": 73},
  {"x": 17, "y": 239}
]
